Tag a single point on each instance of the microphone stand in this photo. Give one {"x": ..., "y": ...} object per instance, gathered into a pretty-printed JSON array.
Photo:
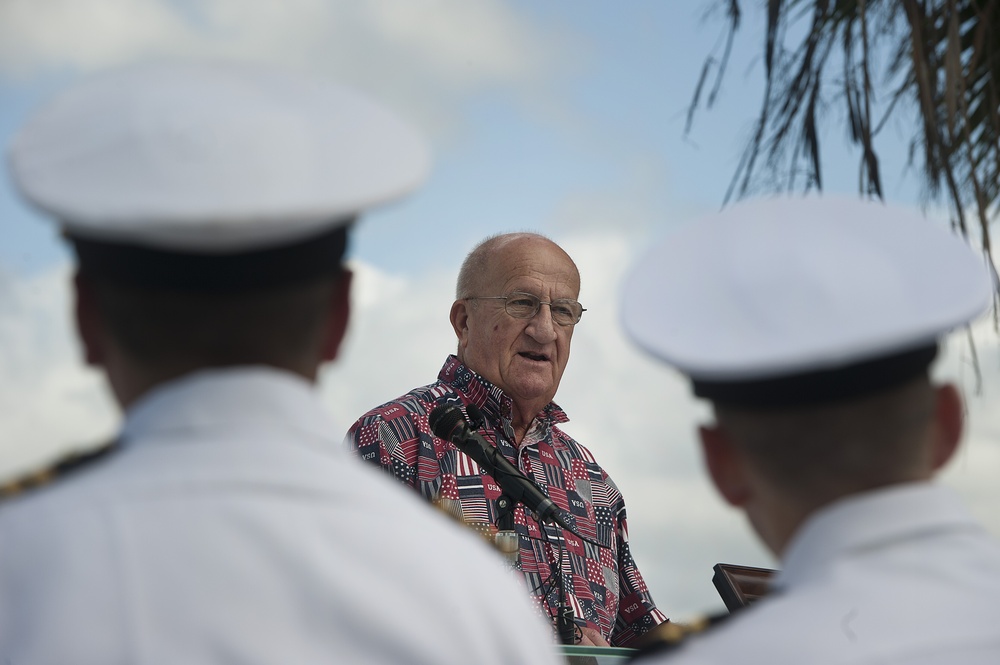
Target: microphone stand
[
  {"x": 565, "y": 626},
  {"x": 506, "y": 539}
]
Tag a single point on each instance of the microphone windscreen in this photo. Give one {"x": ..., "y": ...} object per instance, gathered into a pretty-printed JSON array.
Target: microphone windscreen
[{"x": 444, "y": 421}]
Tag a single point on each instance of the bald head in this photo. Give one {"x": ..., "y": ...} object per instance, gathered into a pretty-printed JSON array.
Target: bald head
[{"x": 477, "y": 268}]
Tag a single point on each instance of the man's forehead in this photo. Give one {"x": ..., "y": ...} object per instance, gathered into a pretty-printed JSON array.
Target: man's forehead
[{"x": 532, "y": 257}]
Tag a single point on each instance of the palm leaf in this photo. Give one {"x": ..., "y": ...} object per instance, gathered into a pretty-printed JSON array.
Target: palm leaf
[{"x": 938, "y": 60}]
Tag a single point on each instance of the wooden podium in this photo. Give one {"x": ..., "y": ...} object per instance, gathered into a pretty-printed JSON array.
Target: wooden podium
[{"x": 740, "y": 586}]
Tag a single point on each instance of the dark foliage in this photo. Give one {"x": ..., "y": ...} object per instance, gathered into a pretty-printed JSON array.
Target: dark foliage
[{"x": 932, "y": 65}]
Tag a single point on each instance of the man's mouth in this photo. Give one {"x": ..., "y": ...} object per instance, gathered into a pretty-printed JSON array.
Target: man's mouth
[{"x": 538, "y": 357}]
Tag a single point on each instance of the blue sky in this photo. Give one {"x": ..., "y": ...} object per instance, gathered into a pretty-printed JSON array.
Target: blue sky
[
  {"x": 557, "y": 116},
  {"x": 597, "y": 112}
]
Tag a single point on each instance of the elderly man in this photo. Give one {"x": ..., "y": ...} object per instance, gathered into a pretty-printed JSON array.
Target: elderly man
[
  {"x": 208, "y": 208},
  {"x": 514, "y": 314},
  {"x": 810, "y": 326}
]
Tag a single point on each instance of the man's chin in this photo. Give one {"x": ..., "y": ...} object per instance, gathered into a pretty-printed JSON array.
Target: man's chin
[{"x": 532, "y": 390}]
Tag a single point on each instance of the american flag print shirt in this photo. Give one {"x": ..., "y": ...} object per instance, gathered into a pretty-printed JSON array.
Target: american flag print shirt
[{"x": 602, "y": 583}]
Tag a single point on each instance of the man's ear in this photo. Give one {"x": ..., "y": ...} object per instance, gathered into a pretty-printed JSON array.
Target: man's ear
[
  {"x": 340, "y": 315},
  {"x": 89, "y": 322},
  {"x": 725, "y": 464},
  {"x": 460, "y": 320},
  {"x": 949, "y": 422}
]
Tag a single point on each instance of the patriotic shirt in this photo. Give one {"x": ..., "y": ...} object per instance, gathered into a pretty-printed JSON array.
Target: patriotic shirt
[{"x": 602, "y": 583}]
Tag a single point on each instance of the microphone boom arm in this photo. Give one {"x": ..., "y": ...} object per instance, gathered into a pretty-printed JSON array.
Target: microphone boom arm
[{"x": 447, "y": 422}]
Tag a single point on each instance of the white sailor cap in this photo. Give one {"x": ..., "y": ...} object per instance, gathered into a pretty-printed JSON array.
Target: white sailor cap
[
  {"x": 786, "y": 302},
  {"x": 211, "y": 160}
]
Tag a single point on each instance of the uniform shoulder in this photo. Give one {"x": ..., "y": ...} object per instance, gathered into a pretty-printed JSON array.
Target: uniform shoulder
[
  {"x": 671, "y": 635},
  {"x": 61, "y": 468}
]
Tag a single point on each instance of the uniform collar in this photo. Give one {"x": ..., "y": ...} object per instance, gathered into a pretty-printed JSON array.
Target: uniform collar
[
  {"x": 868, "y": 521},
  {"x": 236, "y": 400},
  {"x": 495, "y": 404}
]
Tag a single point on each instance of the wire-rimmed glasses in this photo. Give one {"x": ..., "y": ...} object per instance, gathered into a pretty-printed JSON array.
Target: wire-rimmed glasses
[{"x": 520, "y": 305}]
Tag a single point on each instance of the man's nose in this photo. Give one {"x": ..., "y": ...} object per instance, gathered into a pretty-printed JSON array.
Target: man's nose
[{"x": 542, "y": 328}]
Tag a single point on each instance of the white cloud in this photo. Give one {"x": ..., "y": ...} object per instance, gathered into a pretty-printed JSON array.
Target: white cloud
[
  {"x": 399, "y": 338},
  {"x": 421, "y": 56},
  {"x": 49, "y": 402},
  {"x": 637, "y": 416},
  {"x": 467, "y": 41},
  {"x": 85, "y": 35}
]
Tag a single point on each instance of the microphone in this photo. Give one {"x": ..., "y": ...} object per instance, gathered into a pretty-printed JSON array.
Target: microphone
[{"x": 447, "y": 422}]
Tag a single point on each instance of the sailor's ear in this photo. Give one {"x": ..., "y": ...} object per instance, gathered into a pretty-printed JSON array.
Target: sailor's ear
[
  {"x": 949, "y": 423},
  {"x": 726, "y": 465},
  {"x": 340, "y": 315},
  {"x": 90, "y": 325}
]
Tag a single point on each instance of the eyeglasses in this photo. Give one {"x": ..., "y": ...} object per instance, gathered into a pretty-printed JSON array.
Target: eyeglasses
[{"x": 565, "y": 312}]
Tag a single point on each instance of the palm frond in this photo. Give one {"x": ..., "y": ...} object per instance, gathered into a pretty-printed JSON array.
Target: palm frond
[{"x": 938, "y": 60}]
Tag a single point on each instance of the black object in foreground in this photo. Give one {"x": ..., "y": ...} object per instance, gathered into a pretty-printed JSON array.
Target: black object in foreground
[{"x": 738, "y": 586}]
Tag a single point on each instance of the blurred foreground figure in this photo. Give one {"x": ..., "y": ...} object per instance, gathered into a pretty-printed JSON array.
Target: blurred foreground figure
[
  {"x": 810, "y": 326},
  {"x": 514, "y": 314},
  {"x": 208, "y": 207}
]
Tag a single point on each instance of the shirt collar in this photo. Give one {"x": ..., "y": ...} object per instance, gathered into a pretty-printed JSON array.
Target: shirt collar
[
  {"x": 236, "y": 402},
  {"x": 870, "y": 520},
  {"x": 495, "y": 404}
]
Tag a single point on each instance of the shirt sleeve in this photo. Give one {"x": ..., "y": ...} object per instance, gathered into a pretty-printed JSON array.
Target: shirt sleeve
[
  {"x": 637, "y": 613},
  {"x": 398, "y": 440}
]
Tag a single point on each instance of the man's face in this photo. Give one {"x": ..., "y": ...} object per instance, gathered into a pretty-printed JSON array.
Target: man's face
[{"x": 523, "y": 357}]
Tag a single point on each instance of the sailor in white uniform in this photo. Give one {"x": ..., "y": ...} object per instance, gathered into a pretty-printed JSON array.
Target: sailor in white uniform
[
  {"x": 208, "y": 207},
  {"x": 810, "y": 325}
]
